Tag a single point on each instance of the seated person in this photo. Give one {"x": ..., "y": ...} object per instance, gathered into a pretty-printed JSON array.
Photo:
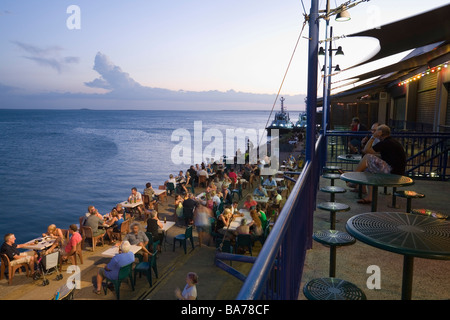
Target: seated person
[
  {"x": 170, "y": 184},
  {"x": 260, "y": 191},
  {"x": 233, "y": 176},
  {"x": 111, "y": 271},
  {"x": 223, "y": 220},
  {"x": 270, "y": 183},
  {"x": 138, "y": 238},
  {"x": 275, "y": 201},
  {"x": 10, "y": 248},
  {"x": 354, "y": 144},
  {"x": 54, "y": 232},
  {"x": 153, "y": 226},
  {"x": 149, "y": 191},
  {"x": 249, "y": 202},
  {"x": 262, "y": 215},
  {"x": 243, "y": 228},
  {"x": 71, "y": 247},
  {"x": 256, "y": 224},
  {"x": 114, "y": 222},
  {"x": 94, "y": 221}
]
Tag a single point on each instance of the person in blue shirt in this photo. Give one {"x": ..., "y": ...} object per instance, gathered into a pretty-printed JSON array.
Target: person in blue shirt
[
  {"x": 111, "y": 271},
  {"x": 260, "y": 191},
  {"x": 270, "y": 183}
]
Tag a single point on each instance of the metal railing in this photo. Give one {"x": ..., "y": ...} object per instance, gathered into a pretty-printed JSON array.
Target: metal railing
[
  {"x": 277, "y": 271},
  {"x": 427, "y": 152}
]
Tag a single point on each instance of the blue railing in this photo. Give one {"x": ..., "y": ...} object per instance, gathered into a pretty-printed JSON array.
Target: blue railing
[
  {"x": 427, "y": 152},
  {"x": 277, "y": 271}
]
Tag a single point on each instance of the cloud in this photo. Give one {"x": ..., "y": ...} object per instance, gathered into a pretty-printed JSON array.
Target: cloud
[
  {"x": 126, "y": 93},
  {"x": 47, "y": 57},
  {"x": 111, "y": 76},
  {"x": 122, "y": 86}
]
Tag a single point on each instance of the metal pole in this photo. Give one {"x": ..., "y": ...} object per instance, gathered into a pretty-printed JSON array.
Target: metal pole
[{"x": 311, "y": 103}]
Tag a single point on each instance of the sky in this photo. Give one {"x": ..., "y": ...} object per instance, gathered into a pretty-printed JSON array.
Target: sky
[{"x": 174, "y": 54}]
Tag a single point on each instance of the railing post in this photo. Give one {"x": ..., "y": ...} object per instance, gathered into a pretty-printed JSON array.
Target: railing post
[{"x": 311, "y": 102}]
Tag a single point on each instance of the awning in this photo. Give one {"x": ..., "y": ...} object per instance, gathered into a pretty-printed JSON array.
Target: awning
[
  {"x": 428, "y": 33},
  {"x": 414, "y": 32}
]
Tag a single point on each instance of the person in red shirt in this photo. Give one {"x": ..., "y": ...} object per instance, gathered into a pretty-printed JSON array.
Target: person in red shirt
[{"x": 71, "y": 246}]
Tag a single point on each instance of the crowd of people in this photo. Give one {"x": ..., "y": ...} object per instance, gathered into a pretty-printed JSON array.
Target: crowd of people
[{"x": 211, "y": 211}]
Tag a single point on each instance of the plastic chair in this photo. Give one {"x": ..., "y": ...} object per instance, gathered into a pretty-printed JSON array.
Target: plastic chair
[
  {"x": 124, "y": 229},
  {"x": 182, "y": 238},
  {"x": 78, "y": 252},
  {"x": 146, "y": 267},
  {"x": 243, "y": 240},
  {"x": 151, "y": 242},
  {"x": 170, "y": 188},
  {"x": 87, "y": 233},
  {"x": 124, "y": 272},
  {"x": 11, "y": 269}
]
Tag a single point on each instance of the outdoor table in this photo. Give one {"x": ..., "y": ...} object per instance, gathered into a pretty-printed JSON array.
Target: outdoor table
[
  {"x": 268, "y": 172},
  {"x": 408, "y": 234},
  {"x": 354, "y": 158},
  {"x": 377, "y": 180},
  {"x": 261, "y": 199},
  {"x": 237, "y": 220},
  {"x": 166, "y": 226},
  {"x": 131, "y": 205},
  {"x": 43, "y": 243},
  {"x": 161, "y": 193},
  {"x": 111, "y": 252}
]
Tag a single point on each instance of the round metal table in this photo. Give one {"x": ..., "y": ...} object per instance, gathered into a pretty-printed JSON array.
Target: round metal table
[
  {"x": 403, "y": 233},
  {"x": 376, "y": 180}
]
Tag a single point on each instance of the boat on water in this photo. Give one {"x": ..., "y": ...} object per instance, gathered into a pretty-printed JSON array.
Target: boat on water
[
  {"x": 281, "y": 121},
  {"x": 301, "y": 122}
]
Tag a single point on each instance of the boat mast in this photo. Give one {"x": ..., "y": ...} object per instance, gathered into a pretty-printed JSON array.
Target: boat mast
[{"x": 282, "y": 106}]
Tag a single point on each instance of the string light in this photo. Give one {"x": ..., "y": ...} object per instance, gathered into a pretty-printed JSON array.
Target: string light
[{"x": 425, "y": 73}]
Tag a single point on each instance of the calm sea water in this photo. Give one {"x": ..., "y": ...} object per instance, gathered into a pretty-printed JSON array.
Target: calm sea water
[{"x": 54, "y": 164}]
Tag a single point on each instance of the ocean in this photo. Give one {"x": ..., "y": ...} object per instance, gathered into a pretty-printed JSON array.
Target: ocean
[{"x": 55, "y": 163}]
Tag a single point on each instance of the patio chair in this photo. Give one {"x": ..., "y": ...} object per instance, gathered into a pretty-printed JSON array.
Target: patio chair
[
  {"x": 146, "y": 267},
  {"x": 87, "y": 233},
  {"x": 124, "y": 229},
  {"x": 124, "y": 272},
  {"x": 11, "y": 269},
  {"x": 182, "y": 238},
  {"x": 243, "y": 241}
]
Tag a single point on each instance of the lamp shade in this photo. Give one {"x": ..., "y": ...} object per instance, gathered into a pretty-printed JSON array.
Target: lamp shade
[
  {"x": 339, "y": 51},
  {"x": 337, "y": 68},
  {"x": 343, "y": 15},
  {"x": 321, "y": 51}
]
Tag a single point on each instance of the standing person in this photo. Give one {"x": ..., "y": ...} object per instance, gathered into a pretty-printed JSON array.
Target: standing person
[
  {"x": 111, "y": 271},
  {"x": 190, "y": 290},
  {"x": 10, "y": 248},
  {"x": 355, "y": 144},
  {"x": 153, "y": 226},
  {"x": 189, "y": 205},
  {"x": 392, "y": 156},
  {"x": 202, "y": 222}
]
